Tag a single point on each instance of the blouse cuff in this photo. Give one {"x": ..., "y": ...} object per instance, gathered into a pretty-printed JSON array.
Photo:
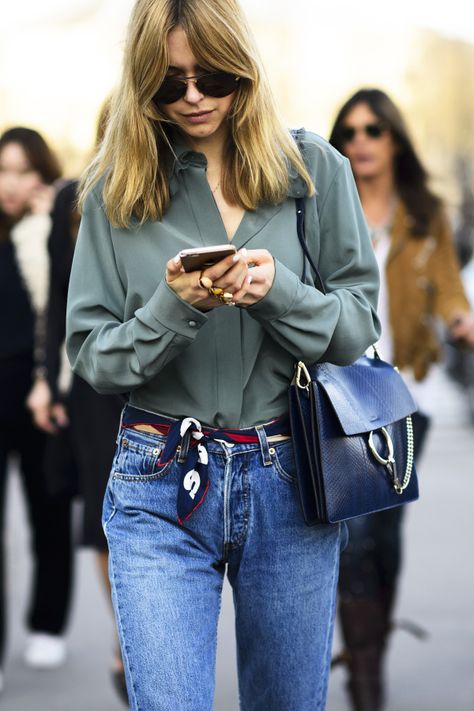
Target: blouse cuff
[
  {"x": 168, "y": 310},
  {"x": 280, "y": 297}
]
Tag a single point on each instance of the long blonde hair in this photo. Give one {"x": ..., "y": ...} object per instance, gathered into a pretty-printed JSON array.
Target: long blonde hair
[{"x": 135, "y": 156}]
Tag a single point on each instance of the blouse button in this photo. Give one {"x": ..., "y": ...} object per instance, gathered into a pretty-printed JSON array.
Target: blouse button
[{"x": 192, "y": 324}]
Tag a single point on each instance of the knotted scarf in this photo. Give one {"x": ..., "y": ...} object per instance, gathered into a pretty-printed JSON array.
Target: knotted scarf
[{"x": 193, "y": 459}]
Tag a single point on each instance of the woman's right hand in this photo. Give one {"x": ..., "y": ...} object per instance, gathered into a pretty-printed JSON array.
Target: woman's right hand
[
  {"x": 230, "y": 274},
  {"x": 462, "y": 328},
  {"x": 42, "y": 199}
]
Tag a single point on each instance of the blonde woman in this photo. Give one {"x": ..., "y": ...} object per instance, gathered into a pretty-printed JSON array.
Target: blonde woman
[{"x": 203, "y": 479}]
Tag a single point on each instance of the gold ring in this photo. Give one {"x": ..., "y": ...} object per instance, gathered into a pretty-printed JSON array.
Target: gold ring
[
  {"x": 216, "y": 291},
  {"x": 205, "y": 282},
  {"x": 225, "y": 297}
]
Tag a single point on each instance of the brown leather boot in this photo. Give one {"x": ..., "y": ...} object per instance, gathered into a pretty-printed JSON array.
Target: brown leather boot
[{"x": 365, "y": 627}]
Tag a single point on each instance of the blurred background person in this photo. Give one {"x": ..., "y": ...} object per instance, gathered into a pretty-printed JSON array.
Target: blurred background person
[
  {"x": 420, "y": 283},
  {"x": 28, "y": 169},
  {"x": 459, "y": 359},
  {"x": 88, "y": 422}
]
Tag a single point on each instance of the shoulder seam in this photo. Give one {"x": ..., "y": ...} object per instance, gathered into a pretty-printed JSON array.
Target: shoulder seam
[{"x": 336, "y": 174}]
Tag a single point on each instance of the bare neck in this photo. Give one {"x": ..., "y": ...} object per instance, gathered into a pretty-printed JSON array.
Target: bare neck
[
  {"x": 377, "y": 196},
  {"x": 214, "y": 149}
]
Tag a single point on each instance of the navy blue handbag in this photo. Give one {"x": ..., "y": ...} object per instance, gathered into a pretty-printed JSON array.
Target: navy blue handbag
[{"x": 352, "y": 433}]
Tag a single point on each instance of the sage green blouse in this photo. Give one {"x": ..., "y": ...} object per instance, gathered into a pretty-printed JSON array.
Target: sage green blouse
[{"x": 128, "y": 332}]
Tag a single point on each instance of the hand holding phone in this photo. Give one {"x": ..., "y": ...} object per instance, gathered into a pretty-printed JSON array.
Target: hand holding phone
[
  {"x": 199, "y": 258},
  {"x": 227, "y": 273}
]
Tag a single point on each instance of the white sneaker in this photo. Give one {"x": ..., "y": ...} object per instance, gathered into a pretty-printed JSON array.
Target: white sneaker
[{"x": 45, "y": 651}]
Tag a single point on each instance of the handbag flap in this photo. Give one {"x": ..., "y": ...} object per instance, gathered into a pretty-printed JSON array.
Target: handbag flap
[{"x": 366, "y": 395}]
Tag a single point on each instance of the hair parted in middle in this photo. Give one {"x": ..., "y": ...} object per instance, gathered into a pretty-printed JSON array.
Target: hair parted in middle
[
  {"x": 411, "y": 177},
  {"x": 136, "y": 153}
]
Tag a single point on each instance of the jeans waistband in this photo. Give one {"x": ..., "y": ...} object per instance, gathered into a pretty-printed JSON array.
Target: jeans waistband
[
  {"x": 132, "y": 416},
  {"x": 190, "y": 439}
]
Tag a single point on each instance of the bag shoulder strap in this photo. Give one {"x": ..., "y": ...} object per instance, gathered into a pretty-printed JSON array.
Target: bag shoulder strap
[{"x": 300, "y": 214}]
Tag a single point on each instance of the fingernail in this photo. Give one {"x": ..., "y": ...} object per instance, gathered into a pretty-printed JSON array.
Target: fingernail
[
  {"x": 243, "y": 251},
  {"x": 236, "y": 257},
  {"x": 177, "y": 259},
  {"x": 249, "y": 279}
]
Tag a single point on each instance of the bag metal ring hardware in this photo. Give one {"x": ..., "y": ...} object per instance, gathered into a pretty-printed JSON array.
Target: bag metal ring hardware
[
  {"x": 390, "y": 463},
  {"x": 373, "y": 449},
  {"x": 302, "y": 373}
]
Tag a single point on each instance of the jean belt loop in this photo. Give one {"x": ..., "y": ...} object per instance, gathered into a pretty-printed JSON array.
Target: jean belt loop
[
  {"x": 119, "y": 433},
  {"x": 184, "y": 447},
  {"x": 262, "y": 438}
]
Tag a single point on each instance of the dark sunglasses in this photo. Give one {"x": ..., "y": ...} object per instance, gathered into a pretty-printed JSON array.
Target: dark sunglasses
[
  {"x": 371, "y": 130},
  {"x": 216, "y": 84}
]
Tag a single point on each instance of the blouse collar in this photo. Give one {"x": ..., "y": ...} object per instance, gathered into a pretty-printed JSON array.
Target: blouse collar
[{"x": 185, "y": 157}]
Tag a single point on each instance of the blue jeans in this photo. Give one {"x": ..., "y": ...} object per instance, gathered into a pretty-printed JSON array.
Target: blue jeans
[{"x": 167, "y": 579}]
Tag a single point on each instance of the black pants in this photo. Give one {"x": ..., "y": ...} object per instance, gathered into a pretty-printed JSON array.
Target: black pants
[
  {"x": 371, "y": 562},
  {"x": 49, "y": 517}
]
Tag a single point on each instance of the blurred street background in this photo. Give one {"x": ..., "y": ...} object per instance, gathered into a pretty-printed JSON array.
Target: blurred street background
[
  {"x": 437, "y": 593},
  {"x": 58, "y": 62}
]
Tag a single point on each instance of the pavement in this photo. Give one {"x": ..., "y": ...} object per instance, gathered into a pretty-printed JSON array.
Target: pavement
[{"x": 437, "y": 592}]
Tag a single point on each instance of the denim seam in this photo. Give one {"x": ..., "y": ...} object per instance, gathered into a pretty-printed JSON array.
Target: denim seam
[
  {"x": 141, "y": 447},
  {"x": 280, "y": 471},
  {"x": 217, "y": 625},
  {"x": 226, "y": 511},
  {"x": 113, "y": 511},
  {"x": 125, "y": 657},
  {"x": 330, "y": 630},
  {"x": 246, "y": 507},
  {"x": 106, "y": 523},
  {"x": 141, "y": 478}
]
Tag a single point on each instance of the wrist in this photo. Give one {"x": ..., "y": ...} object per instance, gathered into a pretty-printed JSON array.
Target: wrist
[{"x": 40, "y": 372}]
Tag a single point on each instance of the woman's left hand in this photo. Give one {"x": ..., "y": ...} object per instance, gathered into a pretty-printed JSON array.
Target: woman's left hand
[
  {"x": 39, "y": 404},
  {"x": 260, "y": 279},
  {"x": 462, "y": 328}
]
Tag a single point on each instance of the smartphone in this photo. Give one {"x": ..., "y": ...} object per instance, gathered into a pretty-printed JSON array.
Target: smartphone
[{"x": 199, "y": 258}]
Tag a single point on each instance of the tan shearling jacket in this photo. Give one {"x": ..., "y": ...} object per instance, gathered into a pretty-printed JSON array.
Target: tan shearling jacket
[{"x": 423, "y": 285}]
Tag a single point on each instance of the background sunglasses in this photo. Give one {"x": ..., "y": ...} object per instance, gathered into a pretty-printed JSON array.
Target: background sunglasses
[
  {"x": 371, "y": 130},
  {"x": 217, "y": 84}
]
